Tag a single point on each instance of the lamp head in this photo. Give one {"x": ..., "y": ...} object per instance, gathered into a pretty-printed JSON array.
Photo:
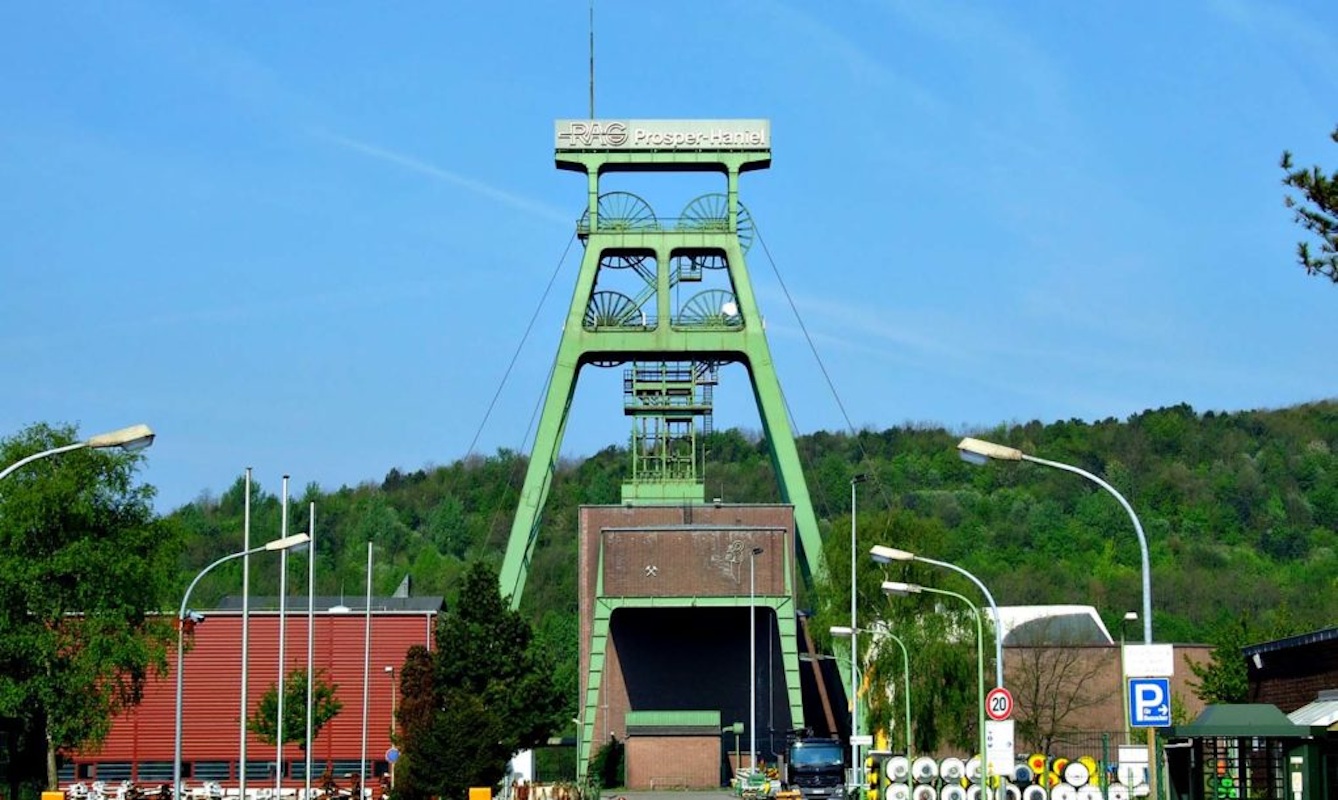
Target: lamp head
[
  {"x": 886, "y": 555},
  {"x": 1130, "y": 616},
  {"x": 843, "y": 631},
  {"x": 135, "y": 437},
  {"x": 978, "y": 451},
  {"x": 194, "y": 617},
  {"x": 288, "y": 542},
  {"x": 897, "y": 588}
]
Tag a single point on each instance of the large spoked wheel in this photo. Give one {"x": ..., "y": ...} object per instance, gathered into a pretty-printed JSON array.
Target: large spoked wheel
[
  {"x": 610, "y": 310},
  {"x": 622, "y": 211},
  {"x": 715, "y": 308},
  {"x": 710, "y": 212}
]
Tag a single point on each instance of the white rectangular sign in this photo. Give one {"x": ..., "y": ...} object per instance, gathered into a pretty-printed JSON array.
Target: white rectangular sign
[
  {"x": 862, "y": 740},
  {"x": 662, "y": 134},
  {"x": 1000, "y": 755},
  {"x": 1149, "y": 661}
]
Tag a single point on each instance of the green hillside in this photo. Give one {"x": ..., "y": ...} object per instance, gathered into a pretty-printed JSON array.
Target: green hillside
[{"x": 1240, "y": 511}]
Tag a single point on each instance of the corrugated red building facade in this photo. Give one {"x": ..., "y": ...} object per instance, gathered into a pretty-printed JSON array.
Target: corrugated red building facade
[{"x": 142, "y": 741}]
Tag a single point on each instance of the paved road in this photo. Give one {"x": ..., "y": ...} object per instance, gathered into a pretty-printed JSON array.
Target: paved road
[{"x": 723, "y": 793}]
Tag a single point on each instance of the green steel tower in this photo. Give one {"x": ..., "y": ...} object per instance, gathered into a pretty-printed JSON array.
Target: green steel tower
[{"x": 668, "y": 300}]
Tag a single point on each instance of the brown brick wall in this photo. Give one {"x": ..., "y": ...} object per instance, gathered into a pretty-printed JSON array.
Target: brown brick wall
[
  {"x": 674, "y": 762},
  {"x": 1092, "y": 673},
  {"x": 682, "y": 551}
]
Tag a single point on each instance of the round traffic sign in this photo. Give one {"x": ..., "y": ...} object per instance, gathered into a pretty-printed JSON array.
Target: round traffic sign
[
  {"x": 393, "y": 754},
  {"x": 999, "y": 704}
]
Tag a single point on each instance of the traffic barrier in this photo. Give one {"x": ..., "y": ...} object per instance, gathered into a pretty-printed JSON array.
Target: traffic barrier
[
  {"x": 924, "y": 769},
  {"x": 898, "y": 769}
]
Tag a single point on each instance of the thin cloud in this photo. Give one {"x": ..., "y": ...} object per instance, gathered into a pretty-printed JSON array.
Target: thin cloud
[{"x": 431, "y": 170}]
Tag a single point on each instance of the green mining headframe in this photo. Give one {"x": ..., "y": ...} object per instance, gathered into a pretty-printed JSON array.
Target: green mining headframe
[{"x": 669, "y": 300}]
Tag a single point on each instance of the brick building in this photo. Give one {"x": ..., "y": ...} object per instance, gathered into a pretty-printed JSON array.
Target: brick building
[
  {"x": 142, "y": 742},
  {"x": 1290, "y": 673}
]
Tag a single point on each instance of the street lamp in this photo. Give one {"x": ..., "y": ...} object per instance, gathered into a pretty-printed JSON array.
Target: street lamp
[
  {"x": 752, "y": 659},
  {"x": 976, "y": 451},
  {"x": 1129, "y": 616},
  {"x": 854, "y": 643},
  {"x": 135, "y": 437},
  {"x": 284, "y": 544},
  {"x": 886, "y": 555},
  {"x": 879, "y": 632},
  {"x": 896, "y": 588},
  {"x": 391, "y": 672}
]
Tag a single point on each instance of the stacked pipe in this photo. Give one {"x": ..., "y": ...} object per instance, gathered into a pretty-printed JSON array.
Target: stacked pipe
[{"x": 1037, "y": 778}]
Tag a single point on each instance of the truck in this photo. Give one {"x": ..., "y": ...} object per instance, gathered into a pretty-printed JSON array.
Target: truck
[{"x": 815, "y": 768}]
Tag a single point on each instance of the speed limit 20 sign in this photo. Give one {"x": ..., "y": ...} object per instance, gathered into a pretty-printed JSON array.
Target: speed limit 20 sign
[{"x": 999, "y": 704}]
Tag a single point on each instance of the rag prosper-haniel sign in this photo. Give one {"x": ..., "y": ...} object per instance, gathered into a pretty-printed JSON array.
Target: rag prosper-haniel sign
[{"x": 662, "y": 134}]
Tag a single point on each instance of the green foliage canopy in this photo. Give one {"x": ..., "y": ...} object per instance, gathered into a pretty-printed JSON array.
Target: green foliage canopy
[
  {"x": 1317, "y": 212},
  {"x": 84, "y": 566},
  {"x": 484, "y": 694},
  {"x": 325, "y": 706}
]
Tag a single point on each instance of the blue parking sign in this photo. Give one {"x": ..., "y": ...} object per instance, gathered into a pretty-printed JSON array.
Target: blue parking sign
[{"x": 1149, "y": 702}]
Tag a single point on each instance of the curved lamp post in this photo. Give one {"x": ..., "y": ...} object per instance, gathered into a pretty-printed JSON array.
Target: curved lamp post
[
  {"x": 897, "y": 588},
  {"x": 135, "y": 437},
  {"x": 286, "y": 543},
  {"x": 752, "y": 659},
  {"x": 855, "y": 763},
  {"x": 882, "y": 631},
  {"x": 886, "y": 555},
  {"x": 977, "y": 451}
]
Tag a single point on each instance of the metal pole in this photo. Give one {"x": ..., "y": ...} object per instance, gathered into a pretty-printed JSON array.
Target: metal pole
[
  {"x": 1138, "y": 529},
  {"x": 311, "y": 639},
  {"x": 994, "y": 609},
  {"x": 1147, "y": 590},
  {"x": 905, "y": 685},
  {"x": 980, "y": 682},
  {"x": 854, "y": 644},
  {"x": 393, "y": 692},
  {"x": 246, "y": 632},
  {"x": 752, "y": 660},
  {"x": 29, "y": 459},
  {"x": 181, "y": 651},
  {"x": 366, "y": 672},
  {"x": 283, "y": 593}
]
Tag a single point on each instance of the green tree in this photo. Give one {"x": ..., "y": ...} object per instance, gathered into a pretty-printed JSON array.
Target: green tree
[
  {"x": 1317, "y": 212},
  {"x": 83, "y": 567},
  {"x": 1225, "y": 679},
  {"x": 482, "y": 696},
  {"x": 325, "y": 707}
]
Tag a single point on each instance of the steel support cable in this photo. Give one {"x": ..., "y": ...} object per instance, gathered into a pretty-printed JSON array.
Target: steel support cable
[
  {"x": 854, "y": 434},
  {"x": 515, "y": 356},
  {"x": 519, "y": 346}
]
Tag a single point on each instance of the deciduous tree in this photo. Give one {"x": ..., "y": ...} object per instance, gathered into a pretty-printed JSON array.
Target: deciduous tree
[
  {"x": 483, "y": 695},
  {"x": 84, "y": 566},
  {"x": 324, "y": 707}
]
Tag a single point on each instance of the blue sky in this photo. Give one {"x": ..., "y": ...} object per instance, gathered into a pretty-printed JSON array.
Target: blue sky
[{"x": 309, "y": 238}]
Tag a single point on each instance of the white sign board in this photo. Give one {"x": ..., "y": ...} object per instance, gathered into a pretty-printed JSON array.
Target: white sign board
[
  {"x": 1149, "y": 661},
  {"x": 662, "y": 134},
  {"x": 862, "y": 740},
  {"x": 1000, "y": 755}
]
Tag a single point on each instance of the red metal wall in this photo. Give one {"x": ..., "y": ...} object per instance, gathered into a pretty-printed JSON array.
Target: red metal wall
[{"x": 211, "y": 693}]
